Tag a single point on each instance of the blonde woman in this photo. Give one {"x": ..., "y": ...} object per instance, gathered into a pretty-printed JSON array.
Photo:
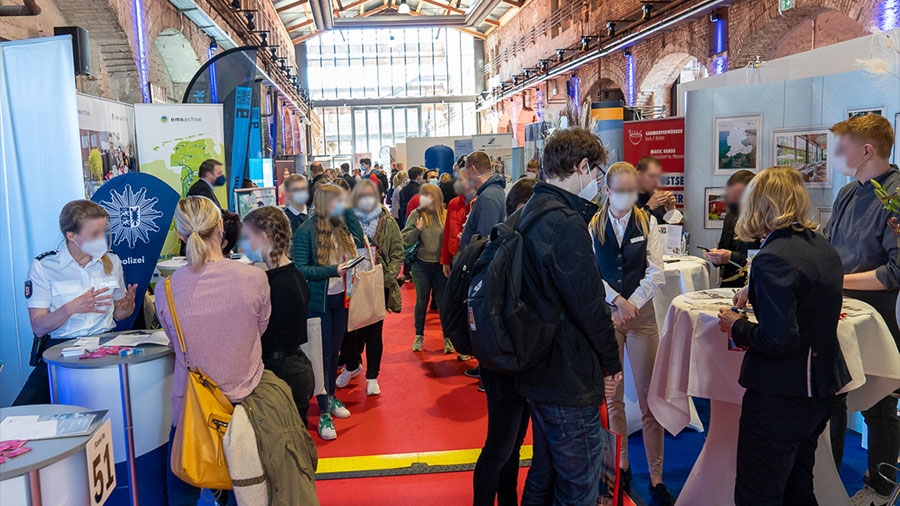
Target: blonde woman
[
  {"x": 425, "y": 226},
  {"x": 630, "y": 258},
  {"x": 793, "y": 365},
  {"x": 223, "y": 307},
  {"x": 75, "y": 291},
  {"x": 322, "y": 248}
]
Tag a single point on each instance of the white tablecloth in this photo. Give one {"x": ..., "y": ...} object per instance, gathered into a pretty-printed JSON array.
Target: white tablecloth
[
  {"x": 167, "y": 267},
  {"x": 694, "y": 361}
]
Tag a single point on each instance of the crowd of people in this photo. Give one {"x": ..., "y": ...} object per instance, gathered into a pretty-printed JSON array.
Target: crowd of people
[{"x": 593, "y": 264}]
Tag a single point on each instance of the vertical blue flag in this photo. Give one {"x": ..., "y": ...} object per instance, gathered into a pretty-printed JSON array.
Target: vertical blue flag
[{"x": 243, "y": 98}]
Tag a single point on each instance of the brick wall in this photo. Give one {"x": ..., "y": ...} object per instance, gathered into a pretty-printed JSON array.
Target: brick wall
[{"x": 755, "y": 28}]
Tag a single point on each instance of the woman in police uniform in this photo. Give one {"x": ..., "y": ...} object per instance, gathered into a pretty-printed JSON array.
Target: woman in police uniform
[{"x": 75, "y": 291}]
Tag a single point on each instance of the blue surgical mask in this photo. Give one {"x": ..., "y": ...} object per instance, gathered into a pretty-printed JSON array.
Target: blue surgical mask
[
  {"x": 220, "y": 181},
  {"x": 253, "y": 255},
  {"x": 338, "y": 210},
  {"x": 433, "y": 181}
]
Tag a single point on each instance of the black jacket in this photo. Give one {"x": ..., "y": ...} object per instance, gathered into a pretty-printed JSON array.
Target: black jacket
[
  {"x": 314, "y": 185},
  {"x": 729, "y": 241},
  {"x": 657, "y": 213},
  {"x": 795, "y": 290},
  {"x": 351, "y": 181},
  {"x": 406, "y": 194},
  {"x": 202, "y": 189},
  {"x": 561, "y": 279}
]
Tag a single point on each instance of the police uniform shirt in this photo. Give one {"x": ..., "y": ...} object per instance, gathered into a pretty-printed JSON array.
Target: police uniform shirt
[{"x": 55, "y": 278}]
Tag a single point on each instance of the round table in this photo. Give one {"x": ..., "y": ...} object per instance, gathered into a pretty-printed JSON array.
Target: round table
[
  {"x": 135, "y": 389},
  {"x": 694, "y": 361},
  {"x": 53, "y": 472}
]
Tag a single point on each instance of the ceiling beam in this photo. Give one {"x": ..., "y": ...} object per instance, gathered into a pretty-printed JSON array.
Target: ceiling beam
[
  {"x": 376, "y": 10},
  {"x": 290, "y": 6},
  {"x": 303, "y": 38},
  {"x": 299, "y": 25}
]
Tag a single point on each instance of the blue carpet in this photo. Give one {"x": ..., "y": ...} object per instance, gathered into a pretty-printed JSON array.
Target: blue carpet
[{"x": 682, "y": 451}]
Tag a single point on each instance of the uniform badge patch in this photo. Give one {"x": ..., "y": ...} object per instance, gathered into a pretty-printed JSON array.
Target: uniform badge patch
[{"x": 28, "y": 289}]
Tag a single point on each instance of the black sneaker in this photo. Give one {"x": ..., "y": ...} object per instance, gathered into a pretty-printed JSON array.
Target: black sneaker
[
  {"x": 625, "y": 479},
  {"x": 472, "y": 373},
  {"x": 660, "y": 496},
  {"x": 481, "y": 387}
]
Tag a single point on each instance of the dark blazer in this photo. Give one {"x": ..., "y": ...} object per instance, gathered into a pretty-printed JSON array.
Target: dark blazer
[
  {"x": 728, "y": 240},
  {"x": 407, "y": 193},
  {"x": 202, "y": 189},
  {"x": 796, "y": 292}
]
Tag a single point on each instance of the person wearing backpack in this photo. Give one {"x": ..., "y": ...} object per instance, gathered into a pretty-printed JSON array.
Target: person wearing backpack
[
  {"x": 569, "y": 381},
  {"x": 630, "y": 257}
]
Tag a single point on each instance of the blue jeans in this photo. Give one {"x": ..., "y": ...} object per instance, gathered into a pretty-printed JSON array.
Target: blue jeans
[
  {"x": 180, "y": 493},
  {"x": 565, "y": 468},
  {"x": 334, "y": 326},
  {"x": 428, "y": 277}
]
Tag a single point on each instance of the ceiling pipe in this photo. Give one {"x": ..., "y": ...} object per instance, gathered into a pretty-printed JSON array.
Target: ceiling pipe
[
  {"x": 401, "y": 21},
  {"x": 322, "y": 14},
  {"x": 31, "y": 8},
  {"x": 595, "y": 54},
  {"x": 479, "y": 11}
]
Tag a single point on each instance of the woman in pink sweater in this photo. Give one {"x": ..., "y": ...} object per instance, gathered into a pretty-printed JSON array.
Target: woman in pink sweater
[{"x": 223, "y": 307}]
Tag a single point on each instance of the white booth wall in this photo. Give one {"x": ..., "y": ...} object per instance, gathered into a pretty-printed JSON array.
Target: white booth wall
[{"x": 795, "y": 92}]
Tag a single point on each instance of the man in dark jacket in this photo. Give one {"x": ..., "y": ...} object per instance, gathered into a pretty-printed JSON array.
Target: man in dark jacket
[
  {"x": 211, "y": 175},
  {"x": 731, "y": 253},
  {"x": 318, "y": 178},
  {"x": 490, "y": 198},
  {"x": 345, "y": 174},
  {"x": 408, "y": 191},
  {"x": 562, "y": 282}
]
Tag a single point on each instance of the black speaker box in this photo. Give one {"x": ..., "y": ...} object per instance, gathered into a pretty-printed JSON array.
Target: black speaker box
[{"x": 81, "y": 48}]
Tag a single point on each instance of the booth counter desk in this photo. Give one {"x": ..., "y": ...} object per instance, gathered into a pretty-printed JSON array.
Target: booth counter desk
[
  {"x": 135, "y": 389},
  {"x": 54, "y": 472}
]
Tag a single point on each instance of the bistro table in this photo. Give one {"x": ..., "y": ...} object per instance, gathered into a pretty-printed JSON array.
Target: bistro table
[
  {"x": 53, "y": 472},
  {"x": 694, "y": 361}
]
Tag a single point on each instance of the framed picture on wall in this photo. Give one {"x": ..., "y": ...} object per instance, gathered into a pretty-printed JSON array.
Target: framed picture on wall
[
  {"x": 852, "y": 113},
  {"x": 737, "y": 144},
  {"x": 805, "y": 149},
  {"x": 823, "y": 214},
  {"x": 716, "y": 208}
]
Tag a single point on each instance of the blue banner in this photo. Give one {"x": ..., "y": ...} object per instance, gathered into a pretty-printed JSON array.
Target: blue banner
[
  {"x": 140, "y": 208},
  {"x": 255, "y": 162},
  {"x": 243, "y": 97}
]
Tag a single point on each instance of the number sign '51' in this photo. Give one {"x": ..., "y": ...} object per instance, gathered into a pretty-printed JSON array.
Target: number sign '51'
[{"x": 101, "y": 465}]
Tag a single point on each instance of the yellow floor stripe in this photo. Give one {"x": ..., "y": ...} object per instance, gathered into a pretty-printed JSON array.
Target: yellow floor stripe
[{"x": 404, "y": 460}]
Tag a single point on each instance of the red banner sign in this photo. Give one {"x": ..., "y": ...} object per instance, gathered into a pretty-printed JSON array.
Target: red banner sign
[{"x": 662, "y": 139}]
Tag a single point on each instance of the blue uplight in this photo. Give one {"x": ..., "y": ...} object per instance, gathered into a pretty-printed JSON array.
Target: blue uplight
[
  {"x": 888, "y": 14},
  {"x": 629, "y": 78},
  {"x": 141, "y": 50},
  {"x": 720, "y": 64}
]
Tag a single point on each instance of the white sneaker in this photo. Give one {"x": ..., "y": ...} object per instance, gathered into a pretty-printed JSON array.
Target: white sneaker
[
  {"x": 345, "y": 376},
  {"x": 372, "y": 387},
  {"x": 868, "y": 497},
  {"x": 326, "y": 427},
  {"x": 337, "y": 409}
]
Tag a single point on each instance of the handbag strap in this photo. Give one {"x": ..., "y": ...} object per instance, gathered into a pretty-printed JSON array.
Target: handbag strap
[{"x": 171, "y": 302}]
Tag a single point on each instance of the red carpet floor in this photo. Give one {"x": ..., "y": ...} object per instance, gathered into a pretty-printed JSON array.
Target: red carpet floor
[{"x": 426, "y": 403}]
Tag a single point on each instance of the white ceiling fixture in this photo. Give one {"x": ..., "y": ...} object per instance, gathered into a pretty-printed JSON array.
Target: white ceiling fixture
[{"x": 403, "y": 8}]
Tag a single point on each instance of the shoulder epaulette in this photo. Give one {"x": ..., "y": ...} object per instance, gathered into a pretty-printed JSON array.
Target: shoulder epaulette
[{"x": 45, "y": 255}]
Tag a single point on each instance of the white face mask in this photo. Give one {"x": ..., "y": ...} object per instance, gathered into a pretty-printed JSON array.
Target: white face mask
[
  {"x": 622, "y": 201},
  {"x": 300, "y": 197},
  {"x": 425, "y": 202},
  {"x": 96, "y": 248},
  {"x": 840, "y": 164},
  {"x": 367, "y": 204},
  {"x": 590, "y": 191}
]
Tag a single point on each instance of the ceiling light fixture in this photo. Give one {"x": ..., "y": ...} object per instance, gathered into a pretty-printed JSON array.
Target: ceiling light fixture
[{"x": 403, "y": 8}]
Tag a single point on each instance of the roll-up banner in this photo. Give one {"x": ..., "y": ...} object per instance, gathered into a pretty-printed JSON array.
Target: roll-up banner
[
  {"x": 107, "y": 140},
  {"x": 140, "y": 208},
  {"x": 243, "y": 99},
  {"x": 606, "y": 121},
  {"x": 173, "y": 140},
  {"x": 40, "y": 166},
  {"x": 662, "y": 139}
]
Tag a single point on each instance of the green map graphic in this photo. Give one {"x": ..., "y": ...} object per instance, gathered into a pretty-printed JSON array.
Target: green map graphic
[{"x": 177, "y": 163}]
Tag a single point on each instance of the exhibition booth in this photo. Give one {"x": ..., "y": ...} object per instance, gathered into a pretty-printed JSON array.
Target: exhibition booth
[{"x": 138, "y": 160}]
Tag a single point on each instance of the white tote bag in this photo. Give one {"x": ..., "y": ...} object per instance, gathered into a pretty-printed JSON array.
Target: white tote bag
[
  {"x": 313, "y": 350},
  {"x": 367, "y": 305}
]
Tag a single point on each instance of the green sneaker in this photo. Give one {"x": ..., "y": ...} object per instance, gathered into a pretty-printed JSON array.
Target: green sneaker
[
  {"x": 326, "y": 427},
  {"x": 417, "y": 345},
  {"x": 448, "y": 346},
  {"x": 337, "y": 408}
]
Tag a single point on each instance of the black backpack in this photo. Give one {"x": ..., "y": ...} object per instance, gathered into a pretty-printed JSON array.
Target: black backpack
[
  {"x": 454, "y": 307},
  {"x": 508, "y": 335}
]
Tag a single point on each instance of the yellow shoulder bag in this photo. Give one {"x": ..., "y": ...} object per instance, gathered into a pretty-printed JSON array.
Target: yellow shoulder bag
[{"x": 198, "y": 457}]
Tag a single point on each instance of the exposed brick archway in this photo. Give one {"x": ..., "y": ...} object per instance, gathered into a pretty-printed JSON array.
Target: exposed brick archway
[
  {"x": 756, "y": 27},
  {"x": 654, "y": 89},
  {"x": 178, "y": 60}
]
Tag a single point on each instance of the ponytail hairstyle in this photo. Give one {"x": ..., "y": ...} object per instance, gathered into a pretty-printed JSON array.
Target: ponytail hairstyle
[
  {"x": 598, "y": 222},
  {"x": 272, "y": 222},
  {"x": 73, "y": 216},
  {"x": 333, "y": 239},
  {"x": 199, "y": 221}
]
